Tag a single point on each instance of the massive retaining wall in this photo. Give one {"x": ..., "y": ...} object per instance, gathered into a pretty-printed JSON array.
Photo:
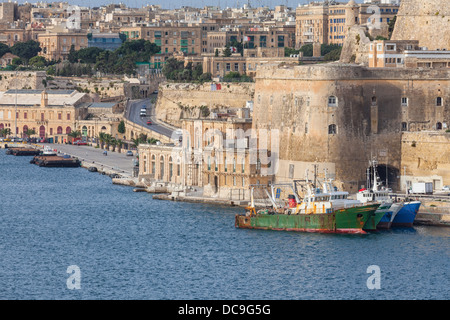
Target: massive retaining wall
[
  {"x": 21, "y": 80},
  {"x": 425, "y": 157},
  {"x": 364, "y": 120},
  {"x": 190, "y": 100},
  {"x": 425, "y": 20}
]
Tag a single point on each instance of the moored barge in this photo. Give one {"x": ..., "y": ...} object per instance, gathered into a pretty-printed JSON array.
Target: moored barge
[
  {"x": 22, "y": 151},
  {"x": 56, "y": 161}
]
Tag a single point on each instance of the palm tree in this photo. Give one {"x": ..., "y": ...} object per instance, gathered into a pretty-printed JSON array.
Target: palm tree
[
  {"x": 119, "y": 145},
  {"x": 113, "y": 144},
  {"x": 108, "y": 139},
  {"x": 135, "y": 142},
  {"x": 102, "y": 139},
  {"x": 30, "y": 132},
  {"x": 5, "y": 132},
  {"x": 75, "y": 134}
]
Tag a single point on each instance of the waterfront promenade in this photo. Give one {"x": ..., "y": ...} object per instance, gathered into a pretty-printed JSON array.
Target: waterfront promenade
[{"x": 114, "y": 161}]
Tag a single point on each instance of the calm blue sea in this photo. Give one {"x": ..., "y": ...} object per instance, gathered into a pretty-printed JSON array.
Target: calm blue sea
[{"x": 128, "y": 246}]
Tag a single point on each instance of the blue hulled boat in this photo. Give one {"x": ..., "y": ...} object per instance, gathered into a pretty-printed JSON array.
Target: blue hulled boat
[{"x": 407, "y": 214}]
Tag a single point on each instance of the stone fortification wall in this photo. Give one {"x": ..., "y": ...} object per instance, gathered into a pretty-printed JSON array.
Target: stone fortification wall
[
  {"x": 102, "y": 87},
  {"x": 23, "y": 80},
  {"x": 426, "y": 158},
  {"x": 188, "y": 100},
  {"x": 427, "y": 21},
  {"x": 356, "y": 46},
  {"x": 363, "y": 120}
]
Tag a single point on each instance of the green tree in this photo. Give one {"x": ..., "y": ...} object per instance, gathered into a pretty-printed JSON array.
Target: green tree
[
  {"x": 30, "y": 132},
  {"x": 26, "y": 50},
  {"x": 121, "y": 127},
  {"x": 307, "y": 50},
  {"x": 227, "y": 52},
  {"x": 72, "y": 55},
  {"x": 171, "y": 68},
  {"x": 16, "y": 62},
  {"x": 4, "y": 49},
  {"x": 327, "y": 48},
  {"x": 37, "y": 62},
  {"x": 289, "y": 51},
  {"x": 5, "y": 132},
  {"x": 333, "y": 55}
]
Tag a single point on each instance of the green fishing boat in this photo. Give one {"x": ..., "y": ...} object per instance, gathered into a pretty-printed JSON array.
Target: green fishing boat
[{"x": 319, "y": 211}]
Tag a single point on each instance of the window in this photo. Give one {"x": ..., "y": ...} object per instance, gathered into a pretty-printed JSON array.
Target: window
[
  {"x": 404, "y": 102},
  {"x": 404, "y": 126},
  {"x": 153, "y": 164},
  {"x": 438, "y": 102},
  {"x": 68, "y": 116},
  {"x": 438, "y": 126},
  {"x": 170, "y": 168},
  {"x": 374, "y": 101},
  {"x": 332, "y": 101},
  {"x": 161, "y": 167},
  {"x": 332, "y": 129},
  {"x": 59, "y": 116}
]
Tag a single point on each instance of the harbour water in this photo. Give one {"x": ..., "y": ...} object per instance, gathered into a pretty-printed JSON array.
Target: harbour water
[{"x": 128, "y": 246}]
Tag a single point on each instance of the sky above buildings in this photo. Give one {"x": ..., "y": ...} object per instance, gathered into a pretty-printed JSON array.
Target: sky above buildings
[{"x": 172, "y": 4}]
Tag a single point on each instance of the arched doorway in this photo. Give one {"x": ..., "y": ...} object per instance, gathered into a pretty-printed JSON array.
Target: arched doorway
[
  {"x": 388, "y": 175},
  {"x": 59, "y": 130},
  {"x": 68, "y": 130},
  {"x": 84, "y": 131},
  {"x": 25, "y": 131},
  {"x": 216, "y": 184},
  {"x": 42, "y": 132}
]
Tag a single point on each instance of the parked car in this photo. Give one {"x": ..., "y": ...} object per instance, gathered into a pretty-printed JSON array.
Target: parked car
[
  {"x": 79, "y": 143},
  {"x": 446, "y": 188},
  {"x": 155, "y": 92},
  {"x": 143, "y": 114},
  {"x": 149, "y": 122},
  {"x": 129, "y": 153}
]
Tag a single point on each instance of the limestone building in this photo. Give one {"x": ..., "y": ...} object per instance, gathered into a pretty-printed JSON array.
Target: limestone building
[
  {"x": 327, "y": 22},
  {"x": 216, "y": 156},
  {"x": 51, "y": 114},
  {"x": 56, "y": 43}
]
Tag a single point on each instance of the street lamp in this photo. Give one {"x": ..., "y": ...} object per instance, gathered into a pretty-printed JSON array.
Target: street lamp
[{"x": 15, "y": 118}]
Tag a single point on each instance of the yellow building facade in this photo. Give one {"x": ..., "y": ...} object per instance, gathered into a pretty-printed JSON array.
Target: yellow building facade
[{"x": 51, "y": 114}]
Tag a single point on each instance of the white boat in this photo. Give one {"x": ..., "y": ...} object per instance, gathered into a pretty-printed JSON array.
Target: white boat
[
  {"x": 48, "y": 151},
  {"x": 377, "y": 194}
]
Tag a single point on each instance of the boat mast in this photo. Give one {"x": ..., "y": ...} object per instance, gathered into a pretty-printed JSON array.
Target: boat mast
[{"x": 375, "y": 177}]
